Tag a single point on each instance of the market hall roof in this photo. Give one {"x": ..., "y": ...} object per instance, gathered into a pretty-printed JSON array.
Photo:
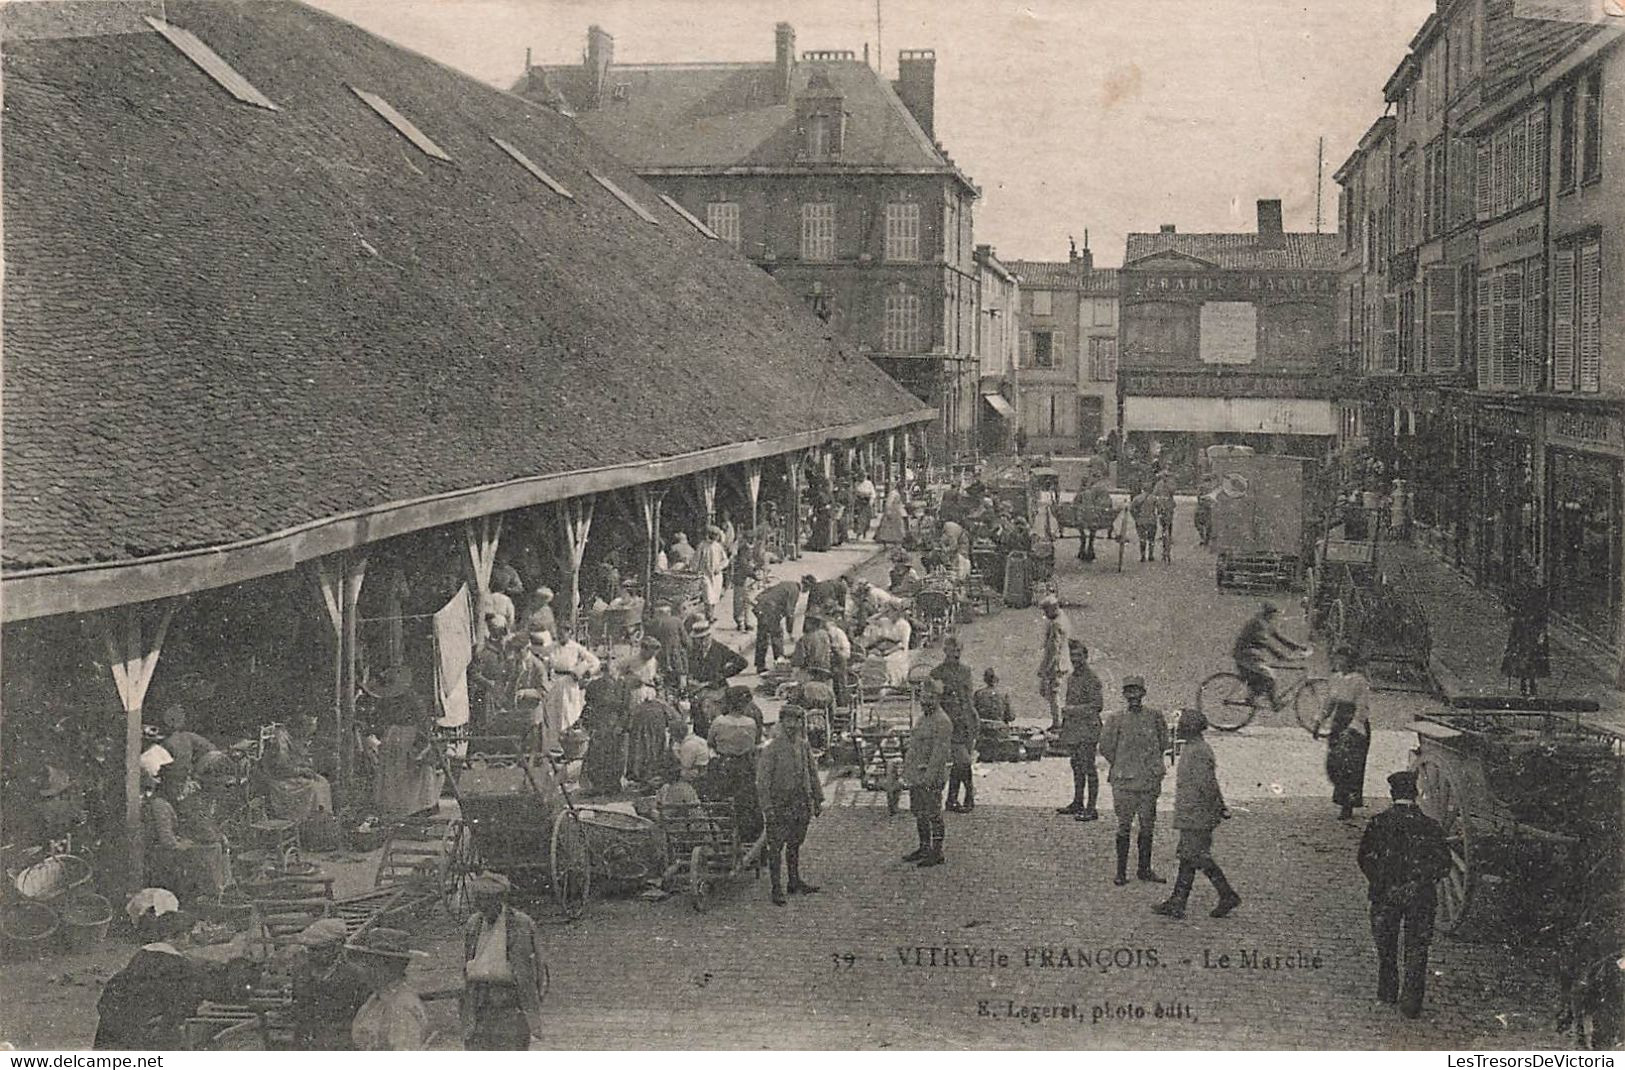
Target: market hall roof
[
  {"x": 237, "y": 337},
  {"x": 1240, "y": 251}
]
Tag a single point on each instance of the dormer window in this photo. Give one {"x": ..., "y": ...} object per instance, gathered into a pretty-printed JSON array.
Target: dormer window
[
  {"x": 818, "y": 136},
  {"x": 821, "y": 115}
]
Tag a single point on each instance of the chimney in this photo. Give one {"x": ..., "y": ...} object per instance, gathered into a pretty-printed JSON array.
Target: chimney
[
  {"x": 600, "y": 55},
  {"x": 784, "y": 62},
  {"x": 1270, "y": 232},
  {"x": 1168, "y": 228},
  {"x": 916, "y": 86}
]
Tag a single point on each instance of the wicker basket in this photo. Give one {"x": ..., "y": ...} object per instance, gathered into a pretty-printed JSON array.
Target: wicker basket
[
  {"x": 26, "y": 929},
  {"x": 85, "y": 919}
]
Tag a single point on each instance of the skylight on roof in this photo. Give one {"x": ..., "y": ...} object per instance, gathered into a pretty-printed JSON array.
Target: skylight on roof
[
  {"x": 402, "y": 124},
  {"x": 211, "y": 63},
  {"x": 524, "y": 161},
  {"x": 686, "y": 214},
  {"x": 625, "y": 198}
]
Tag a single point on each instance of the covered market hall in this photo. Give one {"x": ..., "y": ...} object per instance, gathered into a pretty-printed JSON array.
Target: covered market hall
[{"x": 386, "y": 332}]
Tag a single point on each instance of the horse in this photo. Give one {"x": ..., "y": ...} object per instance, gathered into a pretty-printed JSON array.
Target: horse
[{"x": 1091, "y": 512}]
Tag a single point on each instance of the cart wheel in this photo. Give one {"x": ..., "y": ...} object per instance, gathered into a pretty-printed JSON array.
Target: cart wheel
[
  {"x": 568, "y": 864},
  {"x": 698, "y": 883},
  {"x": 1222, "y": 698},
  {"x": 458, "y": 863},
  {"x": 1309, "y": 705},
  {"x": 1441, "y": 801}
]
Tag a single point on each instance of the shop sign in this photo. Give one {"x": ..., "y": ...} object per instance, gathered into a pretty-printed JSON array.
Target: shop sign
[
  {"x": 1511, "y": 240},
  {"x": 1585, "y": 430},
  {"x": 1506, "y": 422}
]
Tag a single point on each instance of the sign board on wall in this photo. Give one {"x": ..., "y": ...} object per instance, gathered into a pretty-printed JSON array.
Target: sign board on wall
[
  {"x": 1270, "y": 416},
  {"x": 1229, "y": 332}
]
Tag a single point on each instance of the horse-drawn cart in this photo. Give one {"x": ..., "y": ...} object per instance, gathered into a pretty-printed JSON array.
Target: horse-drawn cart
[
  {"x": 1530, "y": 800},
  {"x": 1352, "y": 601}
]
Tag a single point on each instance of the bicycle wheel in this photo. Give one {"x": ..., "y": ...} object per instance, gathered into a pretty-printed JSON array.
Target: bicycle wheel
[
  {"x": 569, "y": 867},
  {"x": 1309, "y": 705},
  {"x": 1224, "y": 700}
]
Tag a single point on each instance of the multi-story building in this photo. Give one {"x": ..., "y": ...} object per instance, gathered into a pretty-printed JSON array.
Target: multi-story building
[
  {"x": 997, "y": 333},
  {"x": 1496, "y": 381},
  {"x": 824, "y": 173},
  {"x": 1230, "y": 338},
  {"x": 1066, "y": 377},
  {"x": 1364, "y": 227}
]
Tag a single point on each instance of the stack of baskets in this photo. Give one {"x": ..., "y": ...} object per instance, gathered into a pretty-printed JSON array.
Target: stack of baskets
[{"x": 52, "y": 904}]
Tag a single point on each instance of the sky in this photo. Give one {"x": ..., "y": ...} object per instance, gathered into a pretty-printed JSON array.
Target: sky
[{"x": 1105, "y": 116}]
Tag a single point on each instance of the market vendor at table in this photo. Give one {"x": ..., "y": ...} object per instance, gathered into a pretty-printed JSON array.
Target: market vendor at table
[
  {"x": 294, "y": 790},
  {"x": 176, "y": 857}
]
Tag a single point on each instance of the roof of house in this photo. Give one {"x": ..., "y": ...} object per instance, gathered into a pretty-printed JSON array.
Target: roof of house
[
  {"x": 1240, "y": 252},
  {"x": 225, "y": 322},
  {"x": 1518, "y": 49},
  {"x": 720, "y": 115},
  {"x": 1063, "y": 275}
]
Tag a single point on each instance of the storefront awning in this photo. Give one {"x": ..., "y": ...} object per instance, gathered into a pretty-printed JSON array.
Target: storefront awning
[
  {"x": 1000, "y": 405},
  {"x": 1278, "y": 416}
]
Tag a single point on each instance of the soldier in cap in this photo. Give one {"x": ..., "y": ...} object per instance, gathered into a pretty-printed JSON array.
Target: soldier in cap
[
  {"x": 1402, "y": 854},
  {"x": 1134, "y": 740},
  {"x": 1198, "y": 809},
  {"x": 501, "y": 1008},
  {"x": 790, "y": 795},
  {"x": 930, "y": 753}
]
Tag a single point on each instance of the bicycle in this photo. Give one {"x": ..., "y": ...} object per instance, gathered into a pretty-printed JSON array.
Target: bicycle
[{"x": 1229, "y": 704}]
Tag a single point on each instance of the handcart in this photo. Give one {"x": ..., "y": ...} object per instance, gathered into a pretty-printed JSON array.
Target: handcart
[{"x": 705, "y": 849}]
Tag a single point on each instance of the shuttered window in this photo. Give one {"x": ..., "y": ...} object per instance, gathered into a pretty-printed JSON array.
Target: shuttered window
[
  {"x": 1503, "y": 171},
  {"x": 1509, "y": 340},
  {"x": 1390, "y": 333},
  {"x": 1441, "y": 319},
  {"x": 1563, "y": 335},
  {"x": 1533, "y": 349},
  {"x": 1538, "y": 163},
  {"x": 1485, "y": 348},
  {"x": 1589, "y": 315},
  {"x": 1483, "y": 206}
]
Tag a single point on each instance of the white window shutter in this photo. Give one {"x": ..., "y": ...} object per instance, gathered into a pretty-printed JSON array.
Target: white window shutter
[
  {"x": 1539, "y": 165},
  {"x": 1482, "y": 184},
  {"x": 1024, "y": 356},
  {"x": 1590, "y": 317},
  {"x": 1511, "y": 327},
  {"x": 1441, "y": 316},
  {"x": 1518, "y": 190},
  {"x": 1484, "y": 354},
  {"x": 1534, "y": 325},
  {"x": 1563, "y": 294}
]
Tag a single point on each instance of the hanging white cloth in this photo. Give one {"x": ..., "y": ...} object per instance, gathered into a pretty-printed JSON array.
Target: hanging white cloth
[{"x": 454, "y": 650}]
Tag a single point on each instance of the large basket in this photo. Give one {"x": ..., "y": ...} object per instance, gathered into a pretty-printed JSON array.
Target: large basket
[
  {"x": 622, "y": 846},
  {"x": 26, "y": 929},
  {"x": 53, "y": 877},
  {"x": 85, "y": 919}
]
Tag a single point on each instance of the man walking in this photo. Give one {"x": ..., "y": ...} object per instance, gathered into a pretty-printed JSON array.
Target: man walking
[
  {"x": 1402, "y": 854},
  {"x": 1056, "y": 664},
  {"x": 1198, "y": 809},
  {"x": 501, "y": 1007},
  {"x": 1080, "y": 734},
  {"x": 1134, "y": 741},
  {"x": 790, "y": 796},
  {"x": 958, "y": 701},
  {"x": 930, "y": 751},
  {"x": 775, "y": 615},
  {"x": 665, "y": 627}
]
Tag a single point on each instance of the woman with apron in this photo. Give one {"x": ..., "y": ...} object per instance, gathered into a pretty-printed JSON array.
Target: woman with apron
[{"x": 1348, "y": 738}]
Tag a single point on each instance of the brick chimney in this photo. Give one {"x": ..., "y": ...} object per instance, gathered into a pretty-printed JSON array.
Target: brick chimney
[
  {"x": 784, "y": 62},
  {"x": 916, "y": 86},
  {"x": 600, "y": 56},
  {"x": 1271, "y": 234}
]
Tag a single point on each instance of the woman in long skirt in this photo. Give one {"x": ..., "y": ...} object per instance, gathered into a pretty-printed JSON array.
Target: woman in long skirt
[
  {"x": 408, "y": 781},
  {"x": 893, "y": 529},
  {"x": 1348, "y": 739},
  {"x": 605, "y": 718}
]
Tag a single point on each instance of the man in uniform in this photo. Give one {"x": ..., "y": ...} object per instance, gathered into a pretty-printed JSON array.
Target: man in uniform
[
  {"x": 958, "y": 703},
  {"x": 930, "y": 752},
  {"x": 1402, "y": 854},
  {"x": 790, "y": 795},
  {"x": 1080, "y": 734},
  {"x": 1134, "y": 741},
  {"x": 1198, "y": 809},
  {"x": 1056, "y": 664}
]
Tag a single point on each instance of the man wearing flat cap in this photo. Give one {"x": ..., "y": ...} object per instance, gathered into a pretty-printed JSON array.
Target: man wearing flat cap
[
  {"x": 790, "y": 795},
  {"x": 1402, "y": 854},
  {"x": 710, "y": 666},
  {"x": 925, "y": 767},
  {"x": 1134, "y": 741},
  {"x": 501, "y": 1008}
]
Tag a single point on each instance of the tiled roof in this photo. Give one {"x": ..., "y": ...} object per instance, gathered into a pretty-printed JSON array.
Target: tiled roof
[
  {"x": 224, "y": 322},
  {"x": 1241, "y": 252},
  {"x": 723, "y": 115},
  {"x": 1063, "y": 275},
  {"x": 1517, "y": 49}
]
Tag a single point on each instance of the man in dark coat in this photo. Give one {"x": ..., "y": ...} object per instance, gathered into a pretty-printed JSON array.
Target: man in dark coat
[
  {"x": 790, "y": 795},
  {"x": 958, "y": 702},
  {"x": 1402, "y": 854},
  {"x": 775, "y": 617},
  {"x": 666, "y": 627},
  {"x": 143, "y": 1006},
  {"x": 1080, "y": 733},
  {"x": 1198, "y": 809},
  {"x": 710, "y": 666},
  {"x": 925, "y": 766}
]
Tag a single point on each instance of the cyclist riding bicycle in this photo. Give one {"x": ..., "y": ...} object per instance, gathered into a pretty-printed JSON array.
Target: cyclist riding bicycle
[{"x": 1257, "y": 641}]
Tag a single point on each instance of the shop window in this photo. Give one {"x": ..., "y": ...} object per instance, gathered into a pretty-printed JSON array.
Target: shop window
[{"x": 1583, "y": 553}]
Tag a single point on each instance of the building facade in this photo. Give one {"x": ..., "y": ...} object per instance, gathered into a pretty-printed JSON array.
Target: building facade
[
  {"x": 1230, "y": 338},
  {"x": 998, "y": 333},
  {"x": 824, "y": 174},
  {"x": 1495, "y": 374},
  {"x": 1066, "y": 396}
]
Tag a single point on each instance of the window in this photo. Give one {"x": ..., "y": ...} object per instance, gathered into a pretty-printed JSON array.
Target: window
[
  {"x": 525, "y": 161},
  {"x": 818, "y": 135},
  {"x": 1042, "y": 303},
  {"x": 1042, "y": 353},
  {"x": 902, "y": 232},
  {"x": 1433, "y": 190},
  {"x": 1511, "y": 323},
  {"x": 818, "y": 232},
  {"x": 1103, "y": 359},
  {"x": 402, "y": 124},
  {"x": 1390, "y": 333},
  {"x": 1441, "y": 320},
  {"x": 1570, "y": 126},
  {"x": 211, "y": 63},
  {"x": 1591, "y": 157},
  {"x": 902, "y": 330},
  {"x": 723, "y": 218},
  {"x": 1102, "y": 312},
  {"x": 1577, "y": 317},
  {"x": 1512, "y": 166}
]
